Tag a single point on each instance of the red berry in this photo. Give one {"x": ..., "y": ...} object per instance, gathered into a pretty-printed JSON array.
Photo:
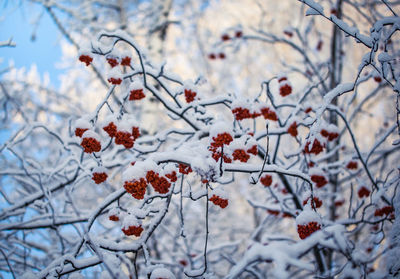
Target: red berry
[
  {"x": 86, "y": 59},
  {"x": 115, "y": 81},
  {"x": 110, "y": 129},
  {"x": 99, "y": 177},
  {"x": 266, "y": 180},
  {"x": 292, "y": 130},
  {"x": 225, "y": 37},
  {"x": 79, "y": 132},
  {"x": 189, "y": 95},
  {"x": 90, "y": 145},
  {"x": 219, "y": 201},
  {"x": 133, "y": 230},
  {"x": 136, "y": 94},
  {"x": 112, "y": 61},
  {"x": 126, "y": 61},
  {"x": 137, "y": 188}
]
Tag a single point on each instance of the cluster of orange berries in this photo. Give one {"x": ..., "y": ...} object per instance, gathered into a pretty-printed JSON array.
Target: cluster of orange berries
[
  {"x": 329, "y": 135},
  {"x": 219, "y": 201},
  {"x": 137, "y": 188},
  {"x": 189, "y": 95},
  {"x": 319, "y": 180},
  {"x": 90, "y": 145},
  {"x": 307, "y": 229},
  {"x": 352, "y": 165},
  {"x": 136, "y": 94},
  {"x": 133, "y": 230},
  {"x": 159, "y": 183},
  {"x": 241, "y": 113},
  {"x": 122, "y": 137},
  {"x": 266, "y": 180},
  {"x": 363, "y": 192},
  {"x": 113, "y": 61},
  {"x": 386, "y": 210},
  {"x": 292, "y": 130},
  {"x": 285, "y": 88},
  {"x": 316, "y": 147},
  {"x": 184, "y": 169},
  {"x": 99, "y": 177},
  {"x": 317, "y": 203}
]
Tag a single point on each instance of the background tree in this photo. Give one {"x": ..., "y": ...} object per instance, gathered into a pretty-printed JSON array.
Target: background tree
[{"x": 288, "y": 172}]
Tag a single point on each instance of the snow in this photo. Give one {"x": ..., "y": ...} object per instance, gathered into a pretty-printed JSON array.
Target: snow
[
  {"x": 161, "y": 273},
  {"x": 130, "y": 221},
  {"x": 313, "y": 5},
  {"x": 308, "y": 215},
  {"x": 353, "y": 31},
  {"x": 220, "y": 127},
  {"x": 99, "y": 169},
  {"x": 91, "y": 134},
  {"x": 384, "y": 57},
  {"x": 139, "y": 170},
  {"x": 83, "y": 123},
  {"x": 126, "y": 123}
]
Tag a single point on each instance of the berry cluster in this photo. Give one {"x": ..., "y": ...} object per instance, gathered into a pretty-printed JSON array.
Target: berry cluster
[
  {"x": 80, "y": 131},
  {"x": 292, "y": 130},
  {"x": 113, "y": 218},
  {"x": 329, "y": 135},
  {"x": 90, "y": 145},
  {"x": 114, "y": 81},
  {"x": 136, "y": 94},
  {"x": 219, "y": 141},
  {"x": 363, "y": 192},
  {"x": 316, "y": 148},
  {"x": 219, "y": 201},
  {"x": 122, "y": 137},
  {"x": 159, "y": 183},
  {"x": 253, "y": 150},
  {"x": 113, "y": 62},
  {"x": 244, "y": 113},
  {"x": 86, "y": 59},
  {"x": 319, "y": 180},
  {"x": 189, "y": 95},
  {"x": 111, "y": 129},
  {"x": 133, "y": 230},
  {"x": 184, "y": 169},
  {"x": 241, "y": 113},
  {"x": 99, "y": 177},
  {"x": 285, "y": 88},
  {"x": 241, "y": 155},
  {"x": 172, "y": 176},
  {"x": 352, "y": 165},
  {"x": 306, "y": 230},
  {"x": 317, "y": 203},
  {"x": 386, "y": 210},
  {"x": 269, "y": 114},
  {"x": 137, "y": 188},
  {"x": 266, "y": 180}
]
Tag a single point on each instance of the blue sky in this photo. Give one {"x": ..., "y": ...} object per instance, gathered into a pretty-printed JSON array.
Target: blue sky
[{"x": 16, "y": 21}]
